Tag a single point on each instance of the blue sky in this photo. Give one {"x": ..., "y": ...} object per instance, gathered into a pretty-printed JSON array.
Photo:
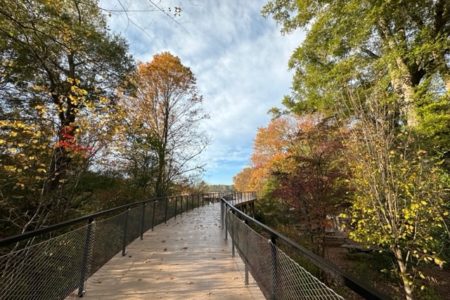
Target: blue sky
[{"x": 239, "y": 58}]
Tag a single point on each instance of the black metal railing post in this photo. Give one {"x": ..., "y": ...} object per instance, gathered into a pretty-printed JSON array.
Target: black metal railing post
[
  {"x": 221, "y": 214},
  {"x": 181, "y": 205},
  {"x": 153, "y": 214},
  {"x": 85, "y": 260},
  {"x": 273, "y": 251},
  {"x": 176, "y": 204},
  {"x": 246, "y": 257},
  {"x": 226, "y": 223},
  {"x": 233, "y": 254},
  {"x": 125, "y": 232},
  {"x": 143, "y": 220},
  {"x": 165, "y": 210}
]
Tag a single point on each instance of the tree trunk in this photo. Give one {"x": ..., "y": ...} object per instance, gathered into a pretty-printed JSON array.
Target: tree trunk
[
  {"x": 402, "y": 82},
  {"x": 447, "y": 82},
  {"x": 161, "y": 186},
  {"x": 401, "y": 77},
  {"x": 66, "y": 135},
  {"x": 58, "y": 166},
  {"x": 160, "y": 189},
  {"x": 407, "y": 284}
]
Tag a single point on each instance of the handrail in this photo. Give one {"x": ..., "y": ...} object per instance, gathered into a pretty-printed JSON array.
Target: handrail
[
  {"x": 356, "y": 285},
  {"x": 30, "y": 234}
]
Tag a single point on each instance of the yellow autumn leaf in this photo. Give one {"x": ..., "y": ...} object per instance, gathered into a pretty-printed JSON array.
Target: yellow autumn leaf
[{"x": 439, "y": 262}]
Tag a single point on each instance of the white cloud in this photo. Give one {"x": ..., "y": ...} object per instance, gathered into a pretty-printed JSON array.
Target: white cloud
[{"x": 239, "y": 58}]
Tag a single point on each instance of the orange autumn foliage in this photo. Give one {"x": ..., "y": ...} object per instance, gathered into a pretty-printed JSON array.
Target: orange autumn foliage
[{"x": 269, "y": 151}]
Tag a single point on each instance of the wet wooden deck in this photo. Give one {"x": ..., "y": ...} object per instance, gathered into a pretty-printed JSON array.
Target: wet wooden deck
[{"x": 186, "y": 258}]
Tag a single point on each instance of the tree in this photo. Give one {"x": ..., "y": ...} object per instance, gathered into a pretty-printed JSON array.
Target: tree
[
  {"x": 242, "y": 181},
  {"x": 163, "y": 118},
  {"x": 394, "y": 56},
  {"x": 314, "y": 177},
  {"x": 400, "y": 194},
  {"x": 398, "y": 46},
  {"x": 270, "y": 148},
  {"x": 298, "y": 161},
  {"x": 60, "y": 69}
]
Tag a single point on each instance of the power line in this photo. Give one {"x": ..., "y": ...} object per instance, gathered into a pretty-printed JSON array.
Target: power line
[
  {"x": 155, "y": 8},
  {"x": 168, "y": 15},
  {"x": 127, "y": 10},
  {"x": 128, "y": 17}
]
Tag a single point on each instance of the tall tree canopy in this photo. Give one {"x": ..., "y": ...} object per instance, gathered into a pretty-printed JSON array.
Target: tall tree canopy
[
  {"x": 382, "y": 67},
  {"x": 269, "y": 150},
  {"x": 59, "y": 71},
  {"x": 400, "y": 46},
  {"x": 163, "y": 127}
]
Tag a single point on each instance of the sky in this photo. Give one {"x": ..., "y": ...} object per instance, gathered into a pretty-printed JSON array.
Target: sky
[{"x": 240, "y": 60}]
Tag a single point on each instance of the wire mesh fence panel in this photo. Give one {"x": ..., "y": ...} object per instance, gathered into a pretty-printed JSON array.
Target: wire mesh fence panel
[
  {"x": 162, "y": 210},
  {"x": 183, "y": 204},
  {"x": 45, "y": 270},
  {"x": 108, "y": 240},
  {"x": 196, "y": 200},
  {"x": 159, "y": 212},
  {"x": 168, "y": 209},
  {"x": 294, "y": 282},
  {"x": 193, "y": 202},
  {"x": 55, "y": 267},
  {"x": 171, "y": 208},
  {"x": 176, "y": 206},
  {"x": 254, "y": 250},
  {"x": 148, "y": 216},
  {"x": 134, "y": 223},
  {"x": 277, "y": 275},
  {"x": 188, "y": 203}
]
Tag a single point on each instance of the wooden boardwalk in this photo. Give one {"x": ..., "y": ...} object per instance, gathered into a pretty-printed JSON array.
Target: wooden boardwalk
[{"x": 186, "y": 258}]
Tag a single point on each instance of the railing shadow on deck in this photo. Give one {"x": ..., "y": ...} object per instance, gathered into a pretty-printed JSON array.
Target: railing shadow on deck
[
  {"x": 280, "y": 275},
  {"x": 52, "y": 262}
]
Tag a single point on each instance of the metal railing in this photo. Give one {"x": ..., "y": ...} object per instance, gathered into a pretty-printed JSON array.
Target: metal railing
[
  {"x": 52, "y": 262},
  {"x": 277, "y": 274}
]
